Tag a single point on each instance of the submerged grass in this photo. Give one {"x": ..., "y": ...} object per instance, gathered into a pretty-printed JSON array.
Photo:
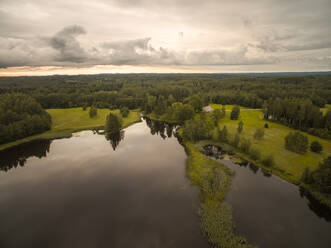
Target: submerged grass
[
  {"x": 70, "y": 120},
  {"x": 213, "y": 179}
]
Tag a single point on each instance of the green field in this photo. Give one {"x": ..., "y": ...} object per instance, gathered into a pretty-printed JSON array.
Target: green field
[
  {"x": 273, "y": 142},
  {"x": 67, "y": 121},
  {"x": 325, "y": 109}
]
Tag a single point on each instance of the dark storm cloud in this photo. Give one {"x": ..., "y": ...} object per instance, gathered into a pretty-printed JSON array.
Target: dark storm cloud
[
  {"x": 217, "y": 32},
  {"x": 66, "y": 43}
]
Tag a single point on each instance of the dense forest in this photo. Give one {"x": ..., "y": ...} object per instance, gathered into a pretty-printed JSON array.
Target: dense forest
[
  {"x": 132, "y": 90},
  {"x": 299, "y": 113},
  {"x": 291, "y": 100},
  {"x": 21, "y": 116}
]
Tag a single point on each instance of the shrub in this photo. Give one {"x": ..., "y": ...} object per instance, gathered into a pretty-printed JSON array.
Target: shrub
[
  {"x": 235, "y": 113},
  {"x": 223, "y": 135},
  {"x": 296, "y": 142},
  {"x": 124, "y": 111},
  {"x": 240, "y": 127},
  {"x": 321, "y": 177},
  {"x": 315, "y": 146},
  {"x": 84, "y": 106},
  {"x": 245, "y": 145},
  {"x": 215, "y": 134},
  {"x": 268, "y": 161},
  {"x": 306, "y": 176},
  {"x": 93, "y": 112},
  {"x": 236, "y": 140},
  {"x": 259, "y": 133},
  {"x": 255, "y": 154},
  {"x": 217, "y": 114}
]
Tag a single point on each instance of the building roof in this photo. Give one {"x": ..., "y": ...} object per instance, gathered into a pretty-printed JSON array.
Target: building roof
[{"x": 208, "y": 108}]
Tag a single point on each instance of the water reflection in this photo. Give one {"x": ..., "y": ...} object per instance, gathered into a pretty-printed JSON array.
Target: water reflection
[
  {"x": 85, "y": 194},
  {"x": 18, "y": 155},
  {"x": 253, "y": 167},
  {"x": 320, "y": 209},
  {"x": 115, "y": 138},
  {"x": 165, "y": 130},
  {"x": 271, "y": 212}
]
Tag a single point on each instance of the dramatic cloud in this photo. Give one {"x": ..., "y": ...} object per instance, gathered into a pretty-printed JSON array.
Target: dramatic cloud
[
  {"x": 65, "y": 49},
  {"x": 67, "y": 45},
  {"x": 234, "y": 35}
]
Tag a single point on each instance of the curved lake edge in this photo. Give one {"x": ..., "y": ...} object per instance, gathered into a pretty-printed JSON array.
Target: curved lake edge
[
  {"x": 210, "y": 198},
  {"x": 316, "y": 200},
  {"x": 78, "y": 162},
  {"x": 207, "y": 148},
  {"x": 61, "y": 134},
  {"x": 239, "y": 157},
  {"x": 213, "y": 179}
]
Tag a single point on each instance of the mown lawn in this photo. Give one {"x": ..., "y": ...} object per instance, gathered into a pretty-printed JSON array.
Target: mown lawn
[
  {"x": 67, "y": 121},
  {"x": 77, "y": 119},
  {"x": 273, "y": 142}
]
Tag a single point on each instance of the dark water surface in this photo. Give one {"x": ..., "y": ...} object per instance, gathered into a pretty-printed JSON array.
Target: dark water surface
[
  {"x": 273, "y": 213},
  {"x": 80, "y": 192}
]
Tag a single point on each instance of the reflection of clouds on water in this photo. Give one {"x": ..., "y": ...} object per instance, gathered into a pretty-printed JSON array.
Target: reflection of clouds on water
[{"x": 139, "y": 191}]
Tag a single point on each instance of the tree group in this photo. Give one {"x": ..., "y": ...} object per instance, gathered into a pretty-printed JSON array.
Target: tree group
[{"x": 21, "y": 116}]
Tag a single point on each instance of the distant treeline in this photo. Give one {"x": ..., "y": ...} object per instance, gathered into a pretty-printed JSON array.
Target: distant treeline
[
  {"x": 299, "y": 114},
  {"x": 291, "y": 100},
  {"x": 132, "y": 90},
  {"x": 21, "y": 116}
]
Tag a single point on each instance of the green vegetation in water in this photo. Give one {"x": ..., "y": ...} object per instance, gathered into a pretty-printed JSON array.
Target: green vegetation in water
[
  {"x": 213, "y": 179},
  {"x": 70, "y": 120}
]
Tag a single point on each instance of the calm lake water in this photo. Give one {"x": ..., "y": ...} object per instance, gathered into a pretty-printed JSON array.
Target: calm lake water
[
  {"x": 80, "y": 192},
  {"x": 130, "y": 190},
  {"x": 273, "y": 213}
]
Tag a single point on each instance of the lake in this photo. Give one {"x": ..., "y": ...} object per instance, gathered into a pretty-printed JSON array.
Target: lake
[
  {"x": 86, "y": 191},
  {"x": 273, "y": 213},
  {"x": 131, "y": 190}
]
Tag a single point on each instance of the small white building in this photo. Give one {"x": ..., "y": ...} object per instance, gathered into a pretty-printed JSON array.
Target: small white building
[{"x": 208, "y": 109}]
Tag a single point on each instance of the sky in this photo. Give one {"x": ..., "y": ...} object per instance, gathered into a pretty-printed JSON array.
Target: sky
[{"x": 39, "y": 37}]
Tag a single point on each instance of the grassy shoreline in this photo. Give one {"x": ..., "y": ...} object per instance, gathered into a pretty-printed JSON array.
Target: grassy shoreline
[
  {"x": 71, "y": 120},
  {"x": 213, "y": 180}
]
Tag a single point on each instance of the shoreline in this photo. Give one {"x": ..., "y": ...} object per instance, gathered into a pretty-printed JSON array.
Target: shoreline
[
  {"x": 325, "y": 200},
  {"x": 65, "y": 133}
]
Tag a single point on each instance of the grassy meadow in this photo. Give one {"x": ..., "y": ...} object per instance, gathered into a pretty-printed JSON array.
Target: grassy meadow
[
  {"x": 69, "y": 120},
  {"x": 325, "y": 109},
  {"x": 273, "y": 142}
]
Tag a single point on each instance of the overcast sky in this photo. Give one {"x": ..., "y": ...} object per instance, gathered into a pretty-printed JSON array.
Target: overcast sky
[{"x": 79, "y": 36}]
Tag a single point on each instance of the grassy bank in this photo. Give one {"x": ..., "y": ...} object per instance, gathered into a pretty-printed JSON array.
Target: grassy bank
[
  {"x": 326, "y": 108},
  {"x": 70, "y": 120},
  {"x": 213, "y": 179},
  {"x": 288, "y": 165},
  {"x": 273, "y": 143}
]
